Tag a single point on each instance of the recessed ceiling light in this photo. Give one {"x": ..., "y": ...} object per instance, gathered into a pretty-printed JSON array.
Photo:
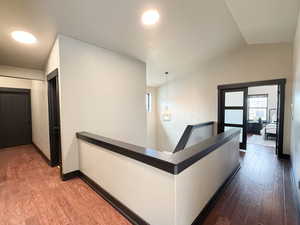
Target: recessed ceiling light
[
  {"x": 150, "y": 17},
  {"x": 24, "y": 37}
]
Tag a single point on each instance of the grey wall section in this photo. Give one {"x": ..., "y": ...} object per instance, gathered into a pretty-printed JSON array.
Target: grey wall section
[
  {"x": 100, "y": 92},
  {"x": 193, "y": 98},
  {"x": 295, "y": 133}
]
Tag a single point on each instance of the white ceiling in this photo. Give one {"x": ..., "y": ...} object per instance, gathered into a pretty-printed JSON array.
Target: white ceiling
[
  {"x": 265, "y": 21},
  {"x": 189, "y": 32}
]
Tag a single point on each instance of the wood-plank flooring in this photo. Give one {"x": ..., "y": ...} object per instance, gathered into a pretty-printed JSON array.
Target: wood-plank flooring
[
  {"x": 31, "y": 193},
  {"x": 260, "y": 194}
]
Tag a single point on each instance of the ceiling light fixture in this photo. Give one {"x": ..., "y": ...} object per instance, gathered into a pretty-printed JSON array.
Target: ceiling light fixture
[
  {"x": 24, "y": 37},
  {"x": 150, "y": 17}
]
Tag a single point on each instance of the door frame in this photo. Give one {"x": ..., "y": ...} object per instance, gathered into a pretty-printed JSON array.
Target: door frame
[
  {"x": 280, "y": 111},
  {"x": 21, "y": 91},
  {"x": 221, "y": 119},
  {"x": 53, "y": 152}
]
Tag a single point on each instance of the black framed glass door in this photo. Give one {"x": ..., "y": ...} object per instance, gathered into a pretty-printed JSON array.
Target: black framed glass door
[{"x": 233, "y": 112}]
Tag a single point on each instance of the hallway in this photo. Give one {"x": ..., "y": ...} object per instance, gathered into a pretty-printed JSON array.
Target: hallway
[
  {"x": 31, "y": 193},
  {"x": 260, "y": 194}
]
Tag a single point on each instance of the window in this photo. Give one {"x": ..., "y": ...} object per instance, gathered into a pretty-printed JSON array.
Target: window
[
  {"x": 148, "y": 102},
  {"x": 257, "y": 107}
]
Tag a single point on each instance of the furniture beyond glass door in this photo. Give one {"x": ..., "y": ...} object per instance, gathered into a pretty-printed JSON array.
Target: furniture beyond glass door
[{"x": 233, "y": 112}]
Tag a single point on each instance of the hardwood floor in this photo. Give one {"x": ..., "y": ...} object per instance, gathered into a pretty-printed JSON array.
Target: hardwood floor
[
  {"x": 261, "y": 140},
  {"x": 260, "y": 194},
  {"x": 31, "y": 193}
]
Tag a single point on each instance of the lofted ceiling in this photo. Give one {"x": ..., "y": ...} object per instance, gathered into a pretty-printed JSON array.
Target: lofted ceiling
[
  {"x": 265, "y": 21},
  {"x": 188, "y": 33}
]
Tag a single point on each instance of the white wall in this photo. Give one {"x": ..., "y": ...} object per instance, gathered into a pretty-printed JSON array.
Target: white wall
[
  {"x": 39, "y": 104},
  {"x": 53, "y": 59},
  {"x": 158, "y": 197},
  {"x": 193, "y": 98},
  {"x": 9, "y": 82},
  {"x": 152, "y": 119},
  {"x": 148, "y": 191},
  {"x": 194, "y": 187},
  {"x": 271, "y": 91},
  {"x": 39, "y": 111},
  {"x": 34, "y": 80},
  {"x": 18, "y": 72},
  {"x": 295, "y": 130},
  {"x": 101, "y": 92}
]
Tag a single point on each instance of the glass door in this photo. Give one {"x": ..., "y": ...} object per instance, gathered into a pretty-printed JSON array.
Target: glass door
[{"x": 233, "y": 112}]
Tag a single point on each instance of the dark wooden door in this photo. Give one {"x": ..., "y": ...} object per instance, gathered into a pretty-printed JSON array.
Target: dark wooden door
[
  {"x": 15, "y": 117},
  {"x": 54, "y": 118},
  {"x": 280, "y": 120}
]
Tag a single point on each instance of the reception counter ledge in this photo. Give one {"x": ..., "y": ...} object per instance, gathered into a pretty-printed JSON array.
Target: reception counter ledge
[{"x": 159, "y": 188}]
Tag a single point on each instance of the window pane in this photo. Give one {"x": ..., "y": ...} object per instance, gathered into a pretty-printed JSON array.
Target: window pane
[
  {"x": 234, "y": 98},
  {"x": 259, "y": 101},
  {"x": 241, "y": 134},
  {"x": 148, "y": 102},
  {"x": 234, "y": 116},
  {"x": 255, "y": 114}
]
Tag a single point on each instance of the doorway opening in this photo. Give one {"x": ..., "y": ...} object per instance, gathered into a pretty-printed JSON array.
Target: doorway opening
[
  {"x": 262, "y": 116},
  {"x": 54, "y": 119},
  {"x": 257, "y": 108}
]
